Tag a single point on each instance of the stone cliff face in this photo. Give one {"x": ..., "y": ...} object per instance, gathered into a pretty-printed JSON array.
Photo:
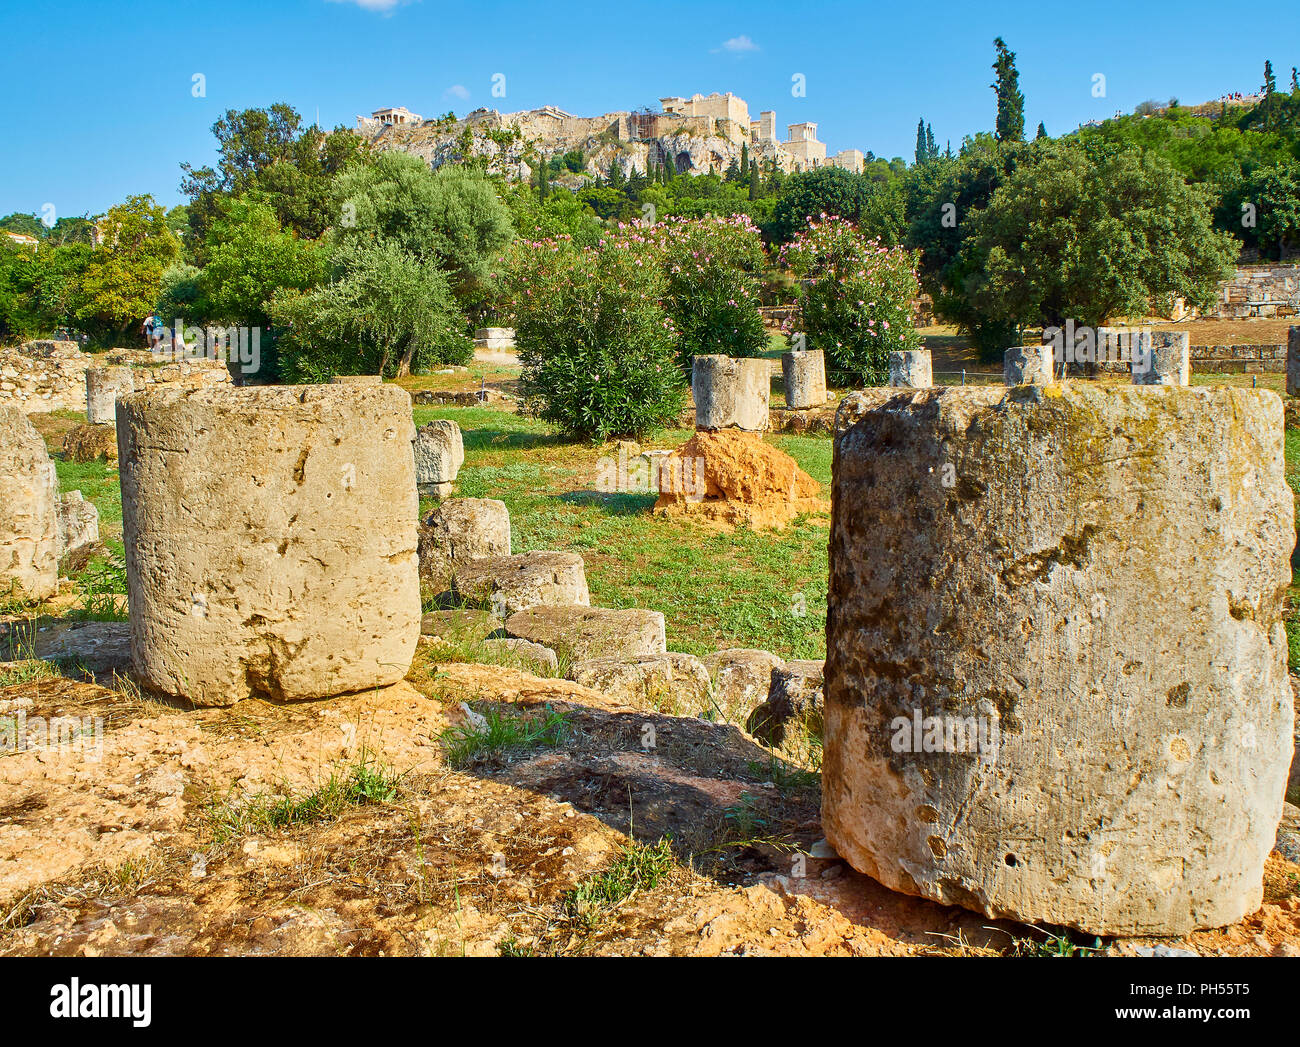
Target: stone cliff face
[{"x": 507, "y": 141}]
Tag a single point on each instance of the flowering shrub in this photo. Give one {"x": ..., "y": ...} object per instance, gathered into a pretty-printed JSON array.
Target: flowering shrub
[
  {"x": 856, "y": 299},
  {"x": 714, "y": 267},
  {"x": 597, "y": 349}
]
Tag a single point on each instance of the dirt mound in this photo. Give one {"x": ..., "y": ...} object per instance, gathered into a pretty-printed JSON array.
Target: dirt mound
[{"x": 730, "y": 478}]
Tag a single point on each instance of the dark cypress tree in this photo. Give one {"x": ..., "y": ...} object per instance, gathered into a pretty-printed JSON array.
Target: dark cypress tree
[
  {"x": 1042, "y": 130},
  {"x": 744, "y": 160},
  {"x": 931, "y": 150},
  {"x": 1270, "y": 81},
  {"x": 1011, "y": 103},
  {"x": 921, "y": 154},
  {"x": 755, "y": 183},
  {"x": 1295, "y": 80}
]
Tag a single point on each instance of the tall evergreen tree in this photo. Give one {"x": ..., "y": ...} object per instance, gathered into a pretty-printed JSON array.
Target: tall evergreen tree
[
  {"x": 744, "y": 160},
  {"x": 1011, "y": 103},
  {"x": 1295, "y": 80},
  {"x": 1270, "y": 81},
  {"x": 755, "y": 182},
  {"x": 931, "y": 150},
  {"x": 1042, "y": 130},
  {"x": 921, "y": 154}
]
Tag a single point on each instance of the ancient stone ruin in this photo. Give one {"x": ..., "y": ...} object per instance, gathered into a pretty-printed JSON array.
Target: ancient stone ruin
[
  {"x": 29, "y": 511},
  {"x": 103, "y": 387},
  {"x": 1088, "y": 721},
  {"x": 1028, "y": 365},
  {"x": 804, "y": 375},
  {"x": 439, "y": 454},
  {"x": 731, "y": 393},
  {"x": 271, "y": 540},
  {"x": 911, "y": 367},
  {"x": 1166, "y": 361}
]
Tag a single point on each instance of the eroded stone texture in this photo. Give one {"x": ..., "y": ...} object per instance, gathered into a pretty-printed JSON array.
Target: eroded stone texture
[
  {"x": 29, "y": 507},
  {"x": 457, "y": 530},
  {"x": 1076, "y": 594},
  {"x": 78, "y": 529},
  {"x": 1293, "y": 361},
  {"x": 439, "y": 454},
  {"x": 532, "y": 656},
  {"x": 671, "y": 683},
  {"x": 90, "y": 443},
  {"x": 731, "y": 392},
  {"x": 1027, "y": 365},
  {"x": 911, "y": 367},
  {"x": 103, "y": 386},
  {"x": 1168, "y": 361},
  {"x": 270, "y": 540},
  {"x": 804, "y": 376},
  {"x": 592, "y": 632},
  {"x": 741, "y": 677},
  {"x": 357, "y": 379},
  {"x": 794, "y": 694},
  {"x": 507, "y": 584}
]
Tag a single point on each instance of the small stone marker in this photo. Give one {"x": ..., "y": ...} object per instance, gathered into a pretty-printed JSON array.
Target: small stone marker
[
  {"x": 731, "y": 393},
  {"x": 804, "y": 376},
  {"x": 103, "y": 386}
]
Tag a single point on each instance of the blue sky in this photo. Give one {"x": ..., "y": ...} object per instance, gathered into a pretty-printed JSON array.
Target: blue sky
[{"x": 97, "y": 99}]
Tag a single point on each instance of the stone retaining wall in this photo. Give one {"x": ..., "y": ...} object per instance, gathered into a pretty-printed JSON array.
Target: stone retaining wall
[{"x": 47, "y": 375}]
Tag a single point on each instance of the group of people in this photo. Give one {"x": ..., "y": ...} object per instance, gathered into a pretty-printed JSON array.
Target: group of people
[{"x": 159, "y": 338}]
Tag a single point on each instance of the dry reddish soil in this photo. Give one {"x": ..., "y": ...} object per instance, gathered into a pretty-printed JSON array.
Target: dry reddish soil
[{"x": 126, "y": 854}]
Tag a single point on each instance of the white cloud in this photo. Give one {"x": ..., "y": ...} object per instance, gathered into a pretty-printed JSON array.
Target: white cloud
[
  {"x": 456, "y": 91},
  {"x": 383, "y": 6},
  {"x": 739, "y": 45}
]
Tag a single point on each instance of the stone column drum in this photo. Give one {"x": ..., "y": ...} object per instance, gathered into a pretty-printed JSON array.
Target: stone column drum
[
  {"x": 1056, "y": 683},
  {"x": 270, "y": 539},
  {"x": 911, "y": 367},
  {"x": 1167, "y": 362},
  {"x": 29, "y": 511},
  {"x": 1293, "y": 361},
  {"x": 731, "y": 393},
  {"x": 804, "y": 376},
  {"x": 103, "y": 386},
  {"x": 1028, "y": 365}
]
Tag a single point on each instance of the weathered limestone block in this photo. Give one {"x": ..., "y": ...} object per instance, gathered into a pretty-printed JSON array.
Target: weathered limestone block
[
  {"x": 103, "y": 386},
  {"x": 1056, "y": 678},
  {"x": 270, "y": 539},
  {"x": 911, "y": 367},
  {"x": 494, "y": 338},
  {"x": 357, "y": 379},
  {"x": 439, "y": 454},
  {"x": 515, "y": 583},
  {"x": 741, "y": 677},
  {"x": 457, "y": 530},
  {"x": 1293, "y": 361},
  {"x": 794, "y": 694},
  {"x": 102, "y": 648},
  {"x": 669, "y": 683},
  {"x": 78, "y": 528},
  {"x": 29, "y": 511},
  {"x": 1028, "y": 365},
  {"x": 731, "y": 393},
  {"x": 531, "y": 656},
  {"x": 459, "y": 625},
  {"x": 1168, "y": 361},
  {"x": 90, "y": 443},
  {"x": 592, "y": 632},
  {"x": 804, "y": 374}
]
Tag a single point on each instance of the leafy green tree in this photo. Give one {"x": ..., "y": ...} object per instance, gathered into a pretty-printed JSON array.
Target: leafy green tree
[
  {"x": 122, "y": 277},
  {"x": 1011, "y": 103},
  {"x": 24, "y": 225},
  {"x": 830, "y": 191},
  {"x": 1089, "y": 234},
  {"x": 250, "y": 257},
  {"x": 384, "y": 311}
]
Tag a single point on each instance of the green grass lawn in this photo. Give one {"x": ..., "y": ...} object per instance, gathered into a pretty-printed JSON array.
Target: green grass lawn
[{"x": 745, "y": 589}]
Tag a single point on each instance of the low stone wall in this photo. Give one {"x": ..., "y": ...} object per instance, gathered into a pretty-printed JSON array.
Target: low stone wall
[
  {"x": 1235, "y": 359},
  {"x": 1256, "y": 291},
  {"x": 47, "y": 375}
]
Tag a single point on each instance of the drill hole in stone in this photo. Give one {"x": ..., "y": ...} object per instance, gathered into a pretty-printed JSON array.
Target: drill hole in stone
[{"x": 1010, "y": 859}]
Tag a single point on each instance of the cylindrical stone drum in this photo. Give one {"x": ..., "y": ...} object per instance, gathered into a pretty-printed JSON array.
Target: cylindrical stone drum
[
  {"x": 1056, "y": 678},
  {"x": 103, "y": 386},
  {"x": 1162, "y": 358},
  {"x": 804, "y": 375},
  {"x": 270, "y": 540},
  {"x": 911, "y": 367},
  {"x": 1293, "y": 361},
  {"x": 731, "y": 392}
]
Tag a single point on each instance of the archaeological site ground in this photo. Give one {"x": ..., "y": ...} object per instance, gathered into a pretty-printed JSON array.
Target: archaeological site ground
[{"x": 605, "y": 525}]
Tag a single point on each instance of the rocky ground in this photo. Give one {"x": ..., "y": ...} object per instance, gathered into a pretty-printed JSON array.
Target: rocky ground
[{"x": 471, "y": 809}]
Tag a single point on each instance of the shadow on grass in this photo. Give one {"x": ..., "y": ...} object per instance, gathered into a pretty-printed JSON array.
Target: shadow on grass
[{"x": 612, "y": 504}]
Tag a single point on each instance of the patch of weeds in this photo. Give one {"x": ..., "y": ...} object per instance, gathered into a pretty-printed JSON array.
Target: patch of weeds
[
  {"x": 100, "y": 586},
  {"x": 496, "y": 733},
  {"x": 1053, "y": 945},
  {"x": 363, "y": 782},
  {"x": 787, "y": 777},
  {"x": 638, "y": 867},
  {"x": 25, "y": 671},
  {"x": 511, "y": 947}
]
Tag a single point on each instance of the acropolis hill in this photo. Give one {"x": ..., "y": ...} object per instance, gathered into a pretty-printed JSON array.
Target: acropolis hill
[{"x": 693, "y": 134}]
